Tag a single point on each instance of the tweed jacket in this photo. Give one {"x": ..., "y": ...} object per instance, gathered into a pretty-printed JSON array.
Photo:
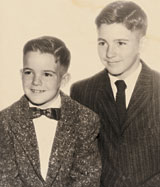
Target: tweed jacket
[
  {"x": 74, "y": 159},
  {"x": 130, "y": 154}
]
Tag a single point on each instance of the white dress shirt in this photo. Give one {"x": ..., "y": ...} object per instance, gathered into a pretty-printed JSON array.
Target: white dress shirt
[
  {"x": 45, "y": 131},
  {"x": 130, "y": 82}
]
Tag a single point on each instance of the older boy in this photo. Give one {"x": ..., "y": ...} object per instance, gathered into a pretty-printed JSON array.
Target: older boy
[
  {"x": 48, "y": 139},
  {"x": 126, "y": 95}
]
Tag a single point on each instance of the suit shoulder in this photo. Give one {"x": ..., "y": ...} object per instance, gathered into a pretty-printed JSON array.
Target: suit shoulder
[
  {"x": 5, "y": 118},
  {"x": 81, "y": 116},
  {"x": 152, "y": 75},
  {"x": 156, "y": 83},
  {"x": 87, "y": 121},
  {"x": 91, "y": 80},
  {"x": 9, "y": 111},
  {"x": 156, "y": 75},
  {"x": 83, "y": 110},
  {"x": 85, "y": 117},
  {"x": 6, "y": 111}
]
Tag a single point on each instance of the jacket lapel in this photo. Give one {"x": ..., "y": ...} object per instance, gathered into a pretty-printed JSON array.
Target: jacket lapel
[
  {"x": 141, "y": 95},
  {"x": 23, "y": 130},
  {"x": 64, "y": 138},
  {"x": 105, "y": 103}
]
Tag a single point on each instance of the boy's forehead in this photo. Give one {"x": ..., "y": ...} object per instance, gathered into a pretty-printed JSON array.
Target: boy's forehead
[
  {"x": 116, "y": 31},
  {"x": 38, "y": 56},
  {"x": 38, "y": 53},
  {"x": 37, "y": 59}
]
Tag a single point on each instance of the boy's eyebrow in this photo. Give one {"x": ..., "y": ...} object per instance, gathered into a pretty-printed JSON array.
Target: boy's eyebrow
[
  {"x": 26, "y": 69},
  {"x": 43, "y": 70},
  {"x": 121, "y": 39},
  {"x": 49, "y": 71},
  {"x": 101, "y": 39}
]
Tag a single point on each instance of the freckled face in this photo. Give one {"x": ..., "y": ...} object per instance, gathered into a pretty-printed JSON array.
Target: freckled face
[
  {"x": 118, "y": 49},
  {"x": 40, "y": 77}
]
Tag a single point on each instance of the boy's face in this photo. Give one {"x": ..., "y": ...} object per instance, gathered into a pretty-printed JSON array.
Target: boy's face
[
  {"x": 118, "y": 49},
  {"x": 41, "y": 77}
]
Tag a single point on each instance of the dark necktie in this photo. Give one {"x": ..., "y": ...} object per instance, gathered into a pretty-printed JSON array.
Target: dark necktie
[
  {"x": 121, "y": 100},
  {"x": 53, "y": 113}
]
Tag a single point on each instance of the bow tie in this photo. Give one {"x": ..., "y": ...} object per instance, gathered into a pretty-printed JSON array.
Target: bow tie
[{"x": 53, "y": 113}]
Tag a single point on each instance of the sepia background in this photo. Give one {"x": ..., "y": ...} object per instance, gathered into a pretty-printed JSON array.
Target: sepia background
[{"x": 73, "y": 22}]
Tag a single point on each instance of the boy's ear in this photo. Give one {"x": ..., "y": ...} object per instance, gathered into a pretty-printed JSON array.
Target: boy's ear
[
  {"x": 142, "y": 44},
  {"x": 65, "y": 79},
  {"x": 21, "y": 72}
]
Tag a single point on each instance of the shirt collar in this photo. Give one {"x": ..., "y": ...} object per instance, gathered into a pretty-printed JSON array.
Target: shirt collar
[{"x": 130, "y": 80}]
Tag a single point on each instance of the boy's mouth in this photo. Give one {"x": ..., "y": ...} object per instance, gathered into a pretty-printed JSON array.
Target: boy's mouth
[{"x": 37, "y": 91}]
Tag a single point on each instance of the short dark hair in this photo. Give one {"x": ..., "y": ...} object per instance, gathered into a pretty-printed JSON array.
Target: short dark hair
[
  {"x": 126, "y": 12},
  {"x": 51, "y": 45}
]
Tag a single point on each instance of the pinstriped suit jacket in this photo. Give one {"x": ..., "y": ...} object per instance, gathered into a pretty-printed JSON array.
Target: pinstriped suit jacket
[
  {"x": 130, "y": 155},
  {"x": 74, "y": 159}
]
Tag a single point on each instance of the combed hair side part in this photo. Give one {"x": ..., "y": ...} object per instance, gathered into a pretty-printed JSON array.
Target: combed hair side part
[
  {"x": 125, "y": 12},
  {"x": 51, "y": 45}
]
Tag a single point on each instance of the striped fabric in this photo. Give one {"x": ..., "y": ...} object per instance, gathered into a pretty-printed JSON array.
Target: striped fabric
[{"x": 130, "y": 155}]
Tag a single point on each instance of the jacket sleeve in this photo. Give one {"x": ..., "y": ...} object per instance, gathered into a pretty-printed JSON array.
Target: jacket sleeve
[
  {"x": 86, "y": 168},
  {"x": 9, "y": 176}
]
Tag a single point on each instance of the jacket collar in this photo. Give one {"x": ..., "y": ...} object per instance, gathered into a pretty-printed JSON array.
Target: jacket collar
[
  {"x": 105, "y": 103},
  {"x": 23, "y": 130}
]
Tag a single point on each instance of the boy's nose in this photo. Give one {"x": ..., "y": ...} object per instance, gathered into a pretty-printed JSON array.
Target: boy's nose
[
  {"x": 110, "y": 52},
  {"x": 37, "y": 80}
]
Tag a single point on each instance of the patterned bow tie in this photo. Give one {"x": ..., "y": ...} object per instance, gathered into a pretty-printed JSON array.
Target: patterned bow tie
[{"x": 53, "y": 113}]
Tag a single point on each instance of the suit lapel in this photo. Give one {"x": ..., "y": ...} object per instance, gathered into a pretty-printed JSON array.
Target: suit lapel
[
  {"x": 141, "y": 95},
  {"x": 64, "y": 138},
  {"x": 23, "y": 130},
  {"x": 105, "y": 103}
]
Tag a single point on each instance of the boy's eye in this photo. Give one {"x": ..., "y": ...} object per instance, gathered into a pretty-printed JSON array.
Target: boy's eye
[
  {"x": 27, "y": 72},
  {"x": 121, "y": 43},
  {"x": 101, "y": 43},
  {"x": 46, "y": 74}
]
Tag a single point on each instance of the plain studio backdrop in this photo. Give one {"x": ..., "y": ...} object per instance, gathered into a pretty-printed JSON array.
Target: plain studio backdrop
[{"x": 73, "y": 22}]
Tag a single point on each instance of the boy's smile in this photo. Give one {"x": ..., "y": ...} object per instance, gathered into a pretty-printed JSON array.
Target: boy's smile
[
  {"x": 41, "y": 77},
  {"x": 37, "y": 91}
]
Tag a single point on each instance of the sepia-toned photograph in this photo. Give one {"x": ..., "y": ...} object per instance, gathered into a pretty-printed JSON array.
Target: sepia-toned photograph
[{"x": 80, "y": 93}]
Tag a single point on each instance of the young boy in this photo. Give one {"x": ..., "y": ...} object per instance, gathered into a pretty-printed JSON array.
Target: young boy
[
  {"x": 47, "y": 139},
  {"x": 126, "y": 95}
]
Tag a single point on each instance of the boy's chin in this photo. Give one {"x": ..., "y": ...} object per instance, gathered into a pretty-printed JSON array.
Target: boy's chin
[{"x": 36, "y": 102}]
